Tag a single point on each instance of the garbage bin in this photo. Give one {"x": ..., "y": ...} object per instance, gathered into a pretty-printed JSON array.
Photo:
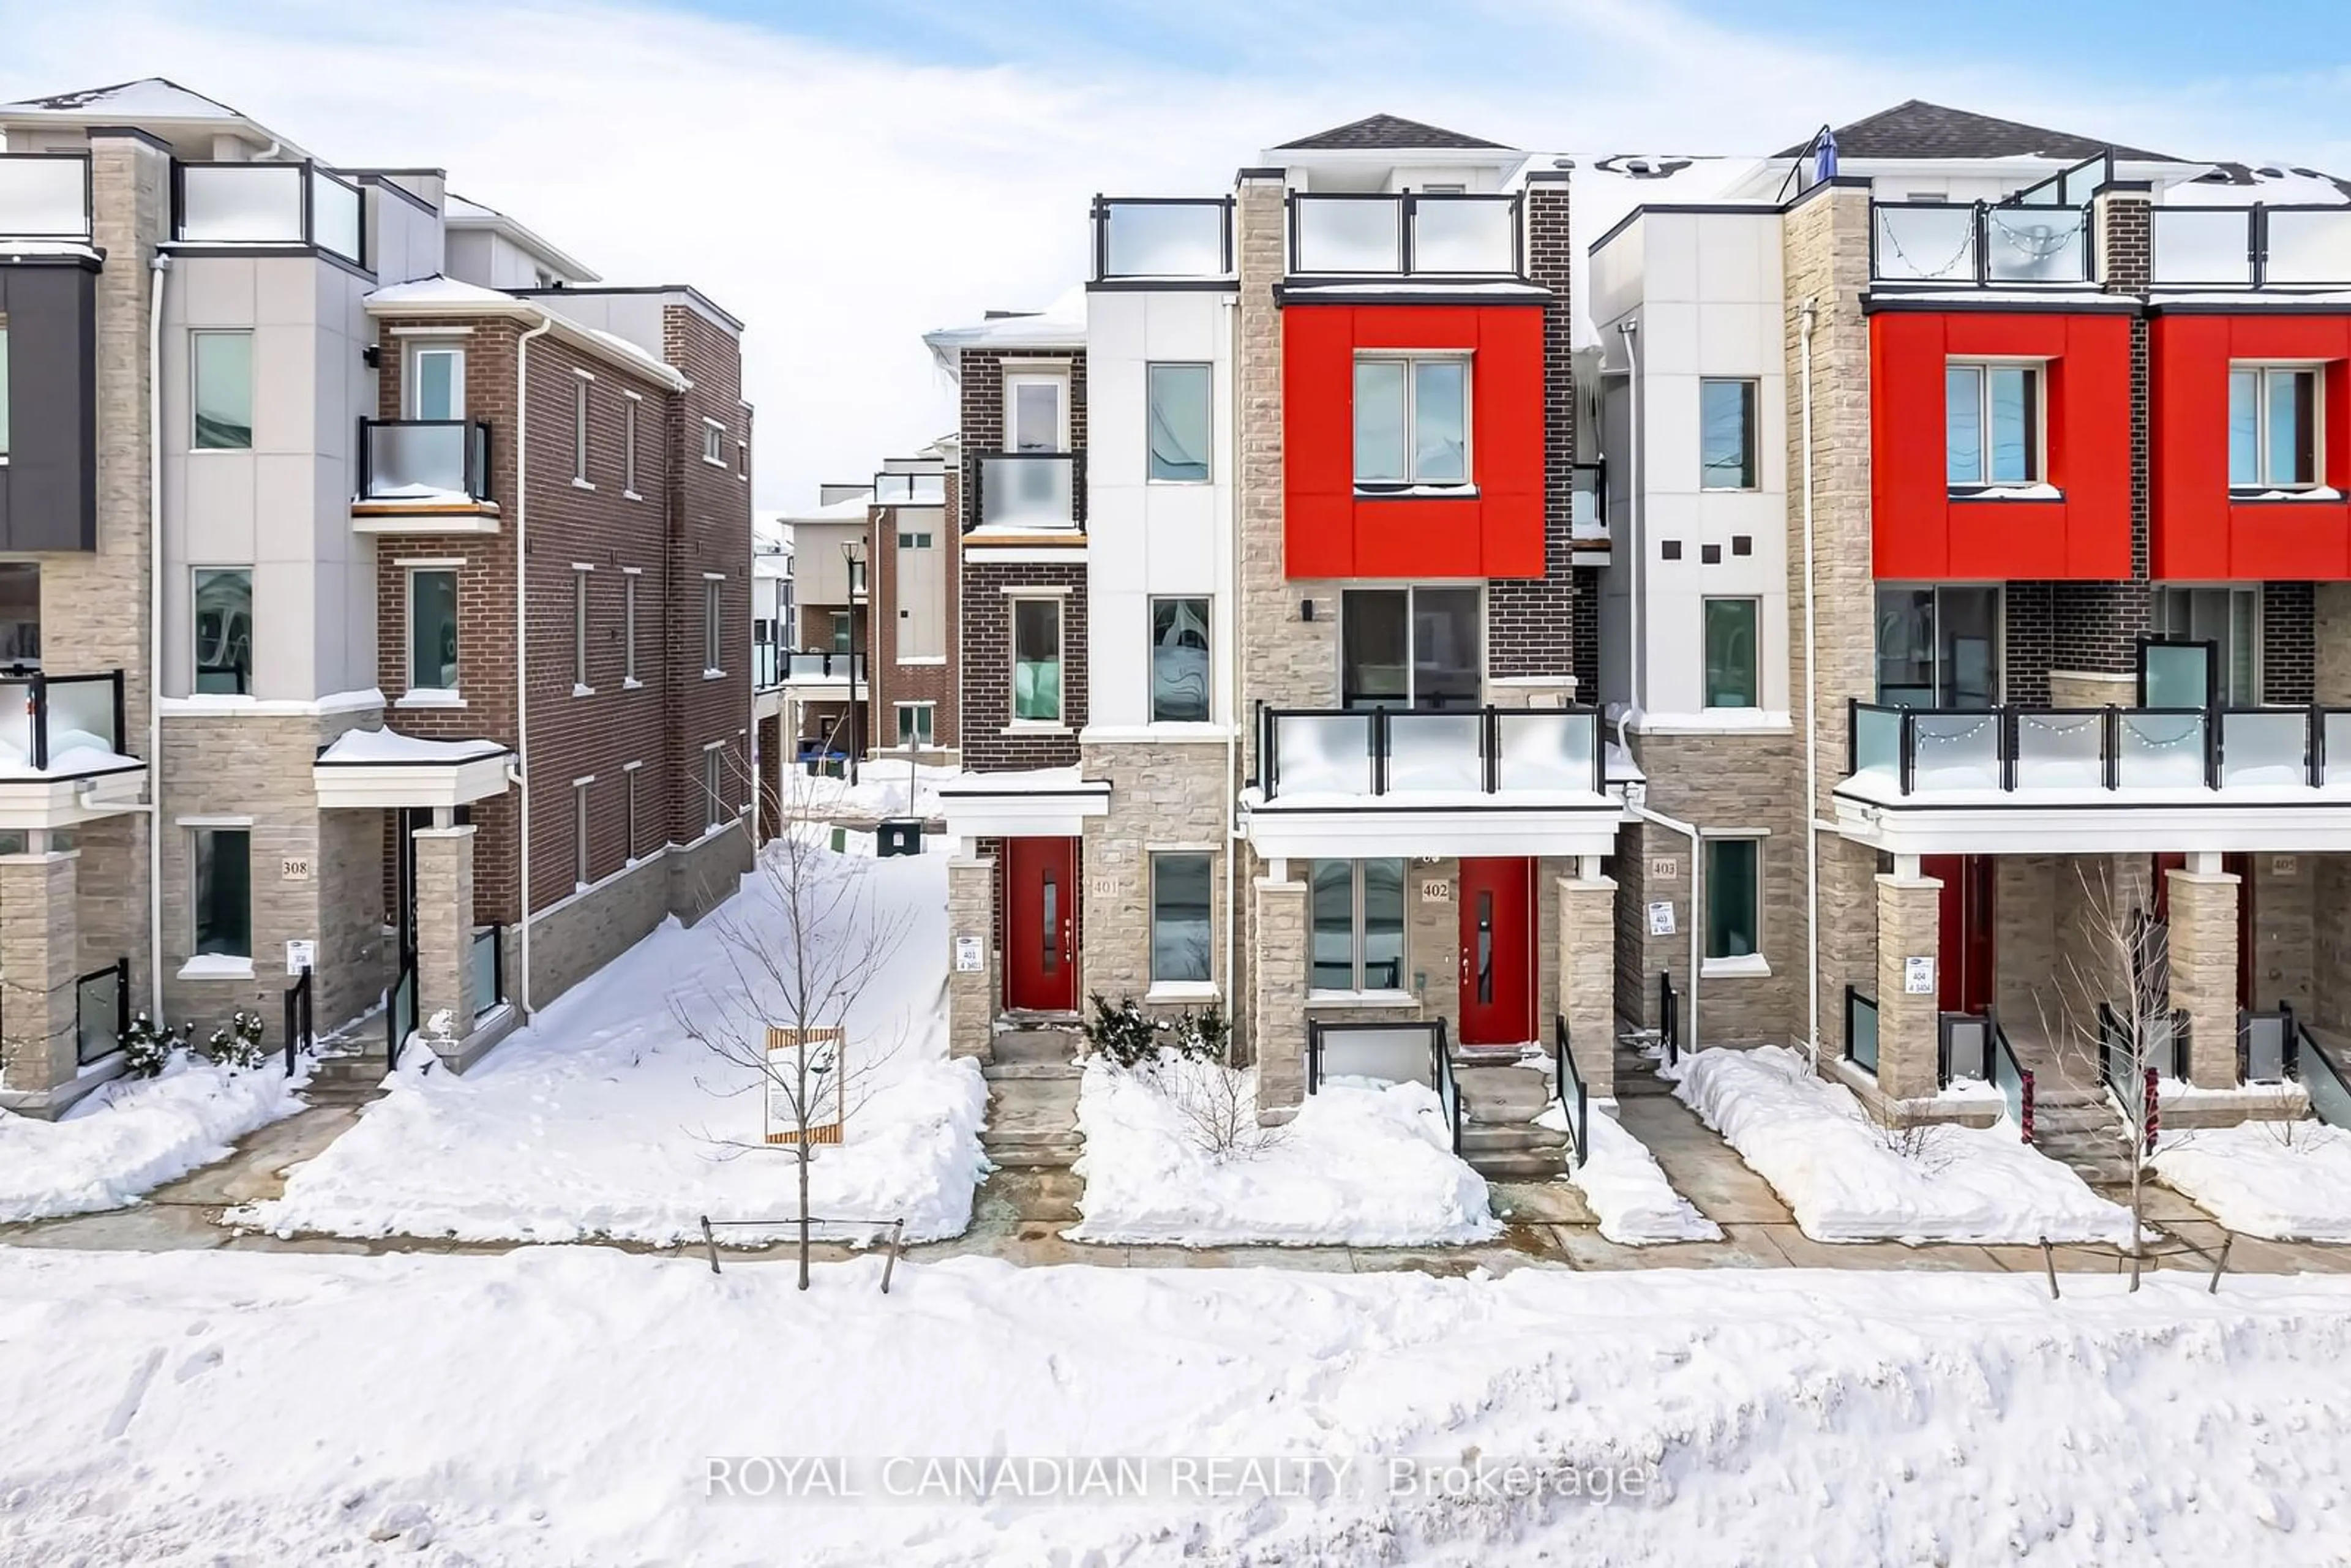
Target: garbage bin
[{"x": 899, "y": 836}]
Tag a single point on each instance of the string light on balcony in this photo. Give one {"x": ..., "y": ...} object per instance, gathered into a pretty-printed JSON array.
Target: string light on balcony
[
  {"x": 1967, "y": 243},
  {"x": 2038, "y": 242}
]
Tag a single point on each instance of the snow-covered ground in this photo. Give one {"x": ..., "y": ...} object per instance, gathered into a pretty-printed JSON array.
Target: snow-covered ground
[
  {"x": 1627, "y": 1192},
  {"x": 1363, "y": 1164},
  {"x": 880, "y": 790},
  {"x": 1847, "y": 1180},
  {"x": 134, "y": 1135},
  {"x": 2284, "y": 1180},
  {"x": 570, "y": 1406},
  {"x": 604, "y": 1119}
]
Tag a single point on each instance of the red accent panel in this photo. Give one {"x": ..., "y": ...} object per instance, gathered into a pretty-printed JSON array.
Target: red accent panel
[
  {"x": 1920, "y": 533},
  {"x": 2197, "y": 532},
  {"x": 1327, "y": 531}
]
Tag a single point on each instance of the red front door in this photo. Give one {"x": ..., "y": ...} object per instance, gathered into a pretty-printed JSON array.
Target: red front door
[
  {"x": 1498, "y": 948},
  {"x": 1041, "y": 925},
  {"x": 1964, "y": 982}
]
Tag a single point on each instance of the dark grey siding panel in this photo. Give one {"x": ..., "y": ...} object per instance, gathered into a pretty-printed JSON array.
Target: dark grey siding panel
[{"x": 49, "y": 488}]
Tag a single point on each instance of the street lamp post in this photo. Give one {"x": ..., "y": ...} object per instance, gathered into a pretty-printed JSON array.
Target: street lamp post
[{"x": 853, "y": 552}]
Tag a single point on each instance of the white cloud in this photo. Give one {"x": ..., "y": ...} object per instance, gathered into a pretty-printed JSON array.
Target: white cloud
[{"x": 842, "y": 202}]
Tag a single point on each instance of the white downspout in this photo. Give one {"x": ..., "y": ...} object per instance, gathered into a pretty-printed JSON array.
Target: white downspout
[
  {"x": 158, "y": 268},
  {"x": 1697, "y": 902},
  {"x": 520, "y": 772},
  {"x": 1636, "y": 520},
  {"x": 1229, "y": 543},
  {"x": 1812, "y": 720}
]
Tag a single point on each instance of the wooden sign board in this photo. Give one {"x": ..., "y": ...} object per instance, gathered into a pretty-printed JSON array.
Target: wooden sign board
[{"x": 824, "y": 1049}]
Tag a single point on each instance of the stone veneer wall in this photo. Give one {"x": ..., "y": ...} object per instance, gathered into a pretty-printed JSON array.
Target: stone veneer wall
[{"x": 1163, "y": 795}]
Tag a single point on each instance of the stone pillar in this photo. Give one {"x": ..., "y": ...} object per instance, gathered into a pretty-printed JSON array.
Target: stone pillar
[
  {"x": 2203, "y": 957},
  {"x": 1909, "y": 926},
  {"x": 1587, "y": 976},
  {"x": 971, "y": 920},
  {"x": 444, "y": 931},
  {"x": 1278, "y": 999},
  {"x": 40, "y": 952}
]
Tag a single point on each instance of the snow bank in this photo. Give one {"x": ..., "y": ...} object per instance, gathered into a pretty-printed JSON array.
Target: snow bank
[
  {"x": 1836, "y": 1169},
  {"x": 1637, "y": 1206},
  {"x": 134, "y": 1135},
  {"x": 880, "y": 790},
  {"x": 1363, "y": 1164},
  {"x": 603, "y": 1119},
  {"x": 2283, "y": 1180},
  {"x": 560, "y": 1406}
]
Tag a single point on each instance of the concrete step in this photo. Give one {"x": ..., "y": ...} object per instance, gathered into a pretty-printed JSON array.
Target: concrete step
[
  {"x": 1031, "y": 1072},
  {"x": 1036, "y": 1157},
  {"x": 1031, "y": 1045},
  {"x": 1528, "y": 1167},
  {"x": 1523, "y": 1137}
]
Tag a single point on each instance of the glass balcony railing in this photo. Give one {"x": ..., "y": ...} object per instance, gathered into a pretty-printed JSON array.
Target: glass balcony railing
[
  {"x": 842, "y": 667},
  {"x": 428, "y": 462},
  {"x": 1406, "y": 235},
  {"x": 1929, "y": 751},
  {"x": 44, "y": 195},
  {"x": 62, "y": 723},
  {"x": 2252, "y": 247},
  {"x": 269, "y": 204},
  {"x": 1163, "y": 236},
  {"x": 1976, "y": 244},
  {"x": 1405, "y": 752},
  {"x": 1027, "y": 490}
]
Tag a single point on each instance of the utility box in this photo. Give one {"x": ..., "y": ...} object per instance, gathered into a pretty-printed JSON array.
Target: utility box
[{"x": 899, "y": 836}]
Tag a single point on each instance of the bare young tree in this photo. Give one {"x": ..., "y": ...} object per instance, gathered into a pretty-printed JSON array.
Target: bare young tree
[
  {"x": 2111, "y": 1020},
  {"x": 806, "y": 944},
  {"x": 1217, "y": 1107}
]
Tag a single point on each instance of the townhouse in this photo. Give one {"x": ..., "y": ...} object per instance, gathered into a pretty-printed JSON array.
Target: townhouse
[
  {"x": 1975, "y": 605},
  {"x": 377, "y": 593}
]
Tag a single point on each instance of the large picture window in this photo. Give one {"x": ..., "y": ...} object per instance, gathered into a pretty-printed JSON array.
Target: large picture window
[
  {"x": 1938, "y": 647},
  {"x": 1358, "y": 917},
  {"x": 1412, "y": 419},
  {"x": 1180, "y": 398},
  {"x": 1726, "y": 411},
  {"x": 1179, "y": 660},
  {"x": 1734, "y": 897},
  {"x": 1411, "y": 647},
  {"x": 1180, "y": 926},
  {"x": 2273, "y": 427},
  {"x": 1992, "y": 423},
  {"x": 1731, "y": 664},
  {"x": 1037, "y": 661}
]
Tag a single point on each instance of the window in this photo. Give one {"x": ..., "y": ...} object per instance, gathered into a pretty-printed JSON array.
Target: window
[
  {"x": 915, "y": 724},
  {"x": 712, "y": 624},
  {"x": 1180, "y": 931},
  {"x": 224, "y": 623},
  {"x": 1179, "y": 660},
  {"x": 578, "y": 431},
  {"x": 579, "y": 833},
  {"x": 1726, "y": 413},
  {"x": 841, "y": 630},
  {"x": 1037, "y": 661},
  {"x": 914, "y": 540},
  {"x": 629, "y": 783},
  {"x": 1734, "y": 897},
  {"x": 433, "y": 629},
  {"x": 4, "y": 390},
  {"x": 714, "y": 443},
  {"x": 713, "y": 791},
  {"x": 1179, "y": 397},
  {"x": 2229, "y": 618},
  {"x": 436, "y": 381},
  {"x": 1411, "y": 647},
  {"x": 1992, "y": 424},
  {"x": 223, "y": 365},
  {"x": 579, "y": 628},
  {"x": 222, "y": 885},
  {"x": 2273, "y": 427},
  {"x": 1358, "y": 915},
  {"x": 1938, "y": 647},
  {"x": 1412, "y": 420},
  {"x": 629, "y": 445},
  {"x": 629, "y": 628},
  {"x": 1732, "y": 664},
  {"x": 1036, "y": 411}
]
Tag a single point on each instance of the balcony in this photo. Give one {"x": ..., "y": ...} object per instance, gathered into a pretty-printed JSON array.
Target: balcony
[
  {"x": 1026, "y": 492},
  {"x": 1410, "y": 236},
  {"x": 424, "y": 475},
  {"x": 1147, "y": 239},
  {"x": 292, "y": 204},
  {"x": 64, "y": 745},
  {"x": 910, "y": 489},
  {"x": 1976, "y": 244},
  {"x": 2252, "y": 247},
  {"x": 45, "y": 196},
  {"x": 2080, "y": 780},
  {"x": 1512, "y": 781},
  {"x": 819, "y": 669}
]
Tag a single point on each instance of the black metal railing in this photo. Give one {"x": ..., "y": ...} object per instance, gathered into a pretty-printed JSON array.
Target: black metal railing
[
  {"x": 46, "y": 716},
  {"x": 301, "y": 1025},
  {"x": 2266, "y": 1044},
  {"x": 1014, "y": 490},
  {"x": 1163, "y": 237},
  {"x": 1669, "y": 1017},
  {"x": 1448, "y": 1092},
  {"x": 1407, "y": 751},
  {"x": 425, "y": 461},
  {"x": 269, "y": 204},
  {"x": 101, "y": 1012},
  {"x": 1574, "y": 1102},
  {"x": 1377, "y": 233},
  {"x": 488, "y": 957},
  {"x": 2007, "y": 749},
  {"x": 1861, "y": 1030},
  {"x": 2012, "y": 1079},
  {"x": 2289, "y": 245},
  {"x": 2323, "y": 1078}
]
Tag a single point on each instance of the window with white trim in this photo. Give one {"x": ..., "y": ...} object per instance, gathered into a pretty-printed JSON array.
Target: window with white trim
[
  {"x": 221, "y": 913},
  {"x": 714, "y": 443},
  {"x": 2273, "y": 426},
  {"x": 712, "y": 786},
  {"x": 435, "y": 387},
  {"x": 1412, "y": 419},
  {"x": 1358, "y": 920},
  {"x": 1037, "y": 661},
  {"x": 629, "y": 782},
  {"x": 1181, "y": 930},
  {"x": 579, "y": 627},
  {"x": 1734, "y": 897},
  {"x": 712, "y": 625},
  {"x": 916, "y": 722},
  {"x": 1992, "y": 423},
  {"x": 433, "y": 629},
  {"x": 220, "y": 378},
  {"x": 629, "y": 627},
  {"x": 580, "y": 835},
  {"x": 578, "y": 431},
  {"x": 629, "y": 445}
]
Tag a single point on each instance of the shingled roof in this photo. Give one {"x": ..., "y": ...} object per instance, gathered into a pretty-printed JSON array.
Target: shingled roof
[
  {"x": 1922, "y": 130},
  {"x": 1386, "y": 133}
]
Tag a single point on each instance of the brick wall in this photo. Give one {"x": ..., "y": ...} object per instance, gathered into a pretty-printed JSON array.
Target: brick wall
[
  {"x": 2289, "y": 642},
  {"x": 2030, "y": 633},
  {"x": 990, "y": 744},
  {"x": 982, "y": 415},
  {"x": 1529, "y": 621}
]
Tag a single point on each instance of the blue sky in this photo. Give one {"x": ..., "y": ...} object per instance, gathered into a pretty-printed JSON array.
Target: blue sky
[{"x": 847, "y": 174}]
